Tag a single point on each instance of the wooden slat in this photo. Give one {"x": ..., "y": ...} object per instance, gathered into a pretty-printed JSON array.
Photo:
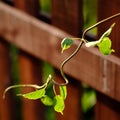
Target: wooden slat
[
  {"x": 7, "y": 104},
  {"x": 100, "y": 72},
  {"x": 67, "y": 15},
  {"x": 107, "y": 108},
  {"x": 72, "y": 102},
  {"x": 30, "y": 69},
  {"x": 113, "y": 7},
  {"x": 30, "y": 73},
  {"x": 25, "y": 6}
]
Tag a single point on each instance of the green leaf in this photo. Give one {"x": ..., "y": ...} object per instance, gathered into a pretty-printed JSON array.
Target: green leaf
[
  {"x": 59, "y": 104},
  {"x": 66, "y": 43},
  {"x": 63, "y": 92},
  {"x": 34, "y": 95},
  {"x": 105, "y": 46},
  {"x": 88, "y": 100},
  {"x": 46, "y": 100}
]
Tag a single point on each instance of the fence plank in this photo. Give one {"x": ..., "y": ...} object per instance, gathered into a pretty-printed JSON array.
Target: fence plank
[
  {"x": 67, "y": 15},
  {"x": 7, "y": 104},
  {"x": 72, "y": 103},
  {"x": 30, "y": 70},
  {"x": 30, "y": 73},
  {"x": 42, "y": 36},
  {"x": 107, "y": 108},
  {"x": 31, "y": 6}
]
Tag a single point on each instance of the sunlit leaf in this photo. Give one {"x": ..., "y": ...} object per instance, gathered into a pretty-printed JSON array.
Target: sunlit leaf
[
  {"x": 63, "y": 92},
  {"x": 105, "y": 46},
  {"x": 34, "y": 95},
  {"x": 59, "y": 104},
  {"x": 46, "y": 100},
  {"x": 66, "y": 43}
]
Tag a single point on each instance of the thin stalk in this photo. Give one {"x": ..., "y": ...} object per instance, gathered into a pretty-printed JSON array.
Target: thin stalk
[
  {"x": 99, "y": 23},
  {"x": 21, "y": 85},
  {"x": 80, "y": 45},
  {"x": 66, "y": 60},
  {"x": 28, "y": 85}
]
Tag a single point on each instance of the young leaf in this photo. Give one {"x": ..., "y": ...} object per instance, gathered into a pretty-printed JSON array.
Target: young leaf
[
  {"x": 34, "y": 95},
  {"x": 63, "y": 92},
  {"x": 105, "y": 46},
  {"x": 47, "y": 100},
  {"x": 66, "y": 43},
  {"x": 59, "y": 104}
]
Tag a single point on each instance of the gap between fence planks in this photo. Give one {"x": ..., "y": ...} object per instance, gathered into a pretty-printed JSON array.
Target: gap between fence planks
[{"x": 43, "y": 41}]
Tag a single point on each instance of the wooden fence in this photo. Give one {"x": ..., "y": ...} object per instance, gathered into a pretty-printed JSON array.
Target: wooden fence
[{"x": 39, "y": 41}]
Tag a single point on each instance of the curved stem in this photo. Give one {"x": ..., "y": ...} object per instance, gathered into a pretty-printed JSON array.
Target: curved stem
[
  {"x": 21, "y": 85},
  {"x": 80, "y": 45},
  {"x": 98, "y": 23},
  {"x": 66, "y": 60},
  {"x": 28, "y": 85}
]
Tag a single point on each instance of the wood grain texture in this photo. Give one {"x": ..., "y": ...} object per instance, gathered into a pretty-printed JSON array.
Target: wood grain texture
[
  {"x": 43, "y": 41},
  {"x": 107, "y": 108},
  {"x": 67, "y": 15}
]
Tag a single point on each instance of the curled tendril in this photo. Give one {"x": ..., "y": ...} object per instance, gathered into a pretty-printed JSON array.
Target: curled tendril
[
  {"x": 50, "y": 78},
  {"x": 82, "y": 40},
  {"x": 28, "y": 85}
]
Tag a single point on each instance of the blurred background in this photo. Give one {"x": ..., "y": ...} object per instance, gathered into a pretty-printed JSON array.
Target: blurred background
[{"x": 37, "y": 71}]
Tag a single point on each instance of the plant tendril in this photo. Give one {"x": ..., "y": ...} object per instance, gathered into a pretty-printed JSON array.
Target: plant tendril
[
  {"x": 98, "y": 23},
  {"x": 66, "y": 60},
  {"x": 80, "y": 45}
]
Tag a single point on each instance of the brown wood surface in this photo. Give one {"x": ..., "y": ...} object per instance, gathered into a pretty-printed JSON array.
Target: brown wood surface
[
  {"x": 7, "y": 105},
  {"x": 30, "y": 69},
  {"x": 30, "y": 73},
  {"x": 31, "y": 6},
  {"x": 67, "y": 15},
  {"x": 106, "y": 108},
  {"x": 100, "y": 72}
]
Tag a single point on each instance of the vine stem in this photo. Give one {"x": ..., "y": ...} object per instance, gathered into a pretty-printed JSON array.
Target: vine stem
[
  {"x": 100, "y": 22},
  {"x": 66, "y": 60},
  {"x": 28, "y": 85},
  {"x": 82, "y": 40}
]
